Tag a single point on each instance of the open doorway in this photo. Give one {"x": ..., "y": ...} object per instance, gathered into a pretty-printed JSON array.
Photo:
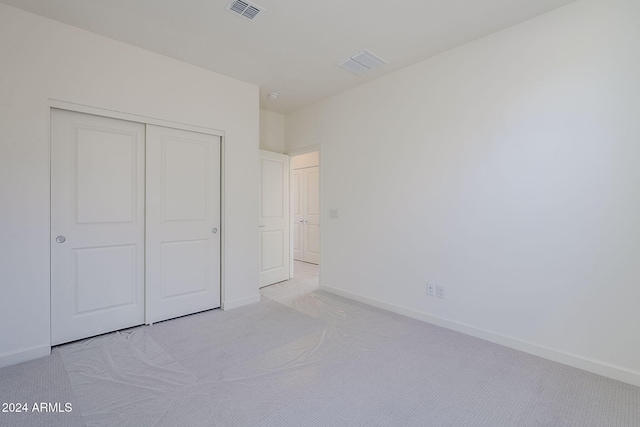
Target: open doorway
[
  {"x": 304, "y": 229},
  {"x": 305, "y": 214},
  {"x": 289, "y": 226}
]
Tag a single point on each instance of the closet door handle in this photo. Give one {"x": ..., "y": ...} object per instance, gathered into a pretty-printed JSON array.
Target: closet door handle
[{"x": 61, "y": 239}]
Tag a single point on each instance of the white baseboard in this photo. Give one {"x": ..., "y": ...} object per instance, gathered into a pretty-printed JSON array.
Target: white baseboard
[
  {"x": 586, "y": 364},
  {"x": 24, "y": 355},
  {"x": 229, "y": 305}
]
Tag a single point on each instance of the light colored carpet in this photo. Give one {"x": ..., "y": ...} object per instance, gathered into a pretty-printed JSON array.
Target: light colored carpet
[{"x": 303, "y": 357}]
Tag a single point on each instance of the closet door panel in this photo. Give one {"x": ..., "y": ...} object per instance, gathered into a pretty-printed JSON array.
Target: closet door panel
[
  {"x": 183, "y": 221},
  {"x": 97, "y": 225}
]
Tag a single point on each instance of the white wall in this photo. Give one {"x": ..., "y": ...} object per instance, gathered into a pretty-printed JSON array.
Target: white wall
[
  {"x": 271, "y": 131},
  {"x": 43, "y": 59},
  {"x": 307, "y": 160},
  {"x": 506, "y": 170}
]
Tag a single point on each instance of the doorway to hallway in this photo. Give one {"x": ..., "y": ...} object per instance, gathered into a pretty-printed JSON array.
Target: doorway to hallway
[
  {"x": 305, "y": 206},
  {"x": 305, "y": 280},
  {"x": 289, "y": 221}
]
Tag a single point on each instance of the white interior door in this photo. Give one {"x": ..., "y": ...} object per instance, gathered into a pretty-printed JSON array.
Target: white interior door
[
  {"x": 297, "y": 194},
  {"x": 306, "y": 214},
  {"x": 183, "y": 221},
  {"x": 97, "y": 225},
  {"x": 274, "y": 218},
  {"x": 311, "y": 213}
]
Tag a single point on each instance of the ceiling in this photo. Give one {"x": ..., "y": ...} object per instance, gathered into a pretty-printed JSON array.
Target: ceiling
[{"x": 292, "y": 48}]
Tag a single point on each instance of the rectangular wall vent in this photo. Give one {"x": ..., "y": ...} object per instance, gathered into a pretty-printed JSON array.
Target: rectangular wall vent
[
  {"x": 245, "y": 9},
  {"x": 361, "y": 62}
]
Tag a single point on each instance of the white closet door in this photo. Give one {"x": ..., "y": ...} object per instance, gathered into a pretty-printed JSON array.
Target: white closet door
[
  {"x": 274, "y": 218},
  {"x": 183, "y": 221},
  {"x": 311, "y": 213},
  {"x": 297, "y": 194},
  {"x": 97, "y": 225}
]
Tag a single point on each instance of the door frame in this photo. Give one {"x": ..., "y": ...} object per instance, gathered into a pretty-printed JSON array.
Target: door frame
[
  {"x": 145, "y": 120},
  {"x": 297, "y": 152}
]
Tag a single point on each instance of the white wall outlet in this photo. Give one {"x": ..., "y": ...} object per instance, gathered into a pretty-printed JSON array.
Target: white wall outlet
[
  {"x": 440, "y": 291},
  {"x": 430, "y": 289}
]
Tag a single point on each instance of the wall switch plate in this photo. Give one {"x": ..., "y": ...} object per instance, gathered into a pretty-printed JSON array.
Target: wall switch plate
[
  {"x": 333, "y": 213},
  {"x": 440, "y": 291},
  {"x": 430, "y": 290}
]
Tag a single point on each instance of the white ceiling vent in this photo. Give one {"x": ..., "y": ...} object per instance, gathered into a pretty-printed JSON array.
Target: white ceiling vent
[
  {"x": 361, "y": 62},
  {"x": 245, "y": 9}
]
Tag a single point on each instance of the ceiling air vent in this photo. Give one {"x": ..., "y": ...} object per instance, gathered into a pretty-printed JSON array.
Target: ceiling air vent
[
  {"x": 361, "y": 62},
  {"x": 245, "y": 9}
]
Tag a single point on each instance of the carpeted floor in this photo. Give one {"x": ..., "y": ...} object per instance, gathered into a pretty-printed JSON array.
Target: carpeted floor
[{"x": 303, "y": 357}]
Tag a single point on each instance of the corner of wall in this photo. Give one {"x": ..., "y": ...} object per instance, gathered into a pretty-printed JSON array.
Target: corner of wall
[
  {"x": 272, "y": 131},
  {"x": 590, "y": 365},
  {"x": 24, "y": 355},
  {"x": 230, "y": 305}
]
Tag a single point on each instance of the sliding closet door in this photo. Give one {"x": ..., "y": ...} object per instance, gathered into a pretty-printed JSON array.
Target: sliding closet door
[
  {"x": 97, "y": 225},
  {"x": 183, "y": 221}
]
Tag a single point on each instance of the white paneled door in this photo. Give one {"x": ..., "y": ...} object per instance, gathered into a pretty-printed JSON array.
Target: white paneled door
[
  {"x": 297, "y": 193},
  {"x": 183, "y": 223},
  {"x": 311, "y": 212},
  {"x": 273, "y": 226},
  {"x": 117, "y": 262},
  {"x": 97, "y": 225},
  {"x": 306, "y": 214}
]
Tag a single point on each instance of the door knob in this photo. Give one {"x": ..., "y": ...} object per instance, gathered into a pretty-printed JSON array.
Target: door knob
[
  {"x": 301, "y": 221},
  {"x": 214, "y": 230},
  {"x": 61, "y": 239}
]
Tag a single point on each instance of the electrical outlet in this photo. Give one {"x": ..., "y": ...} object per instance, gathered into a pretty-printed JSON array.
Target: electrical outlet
[
  {"x": 430, "y": 290},
  {"x": 440, "y": 291}
]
